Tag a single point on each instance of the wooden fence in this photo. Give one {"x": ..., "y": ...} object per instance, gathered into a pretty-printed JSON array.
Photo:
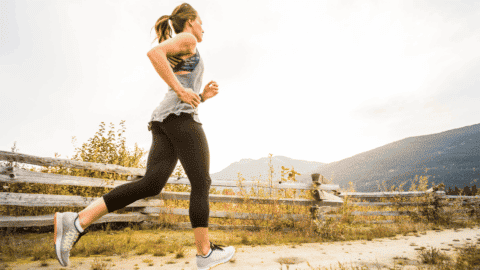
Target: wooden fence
[{"x": 327, "y": 196}]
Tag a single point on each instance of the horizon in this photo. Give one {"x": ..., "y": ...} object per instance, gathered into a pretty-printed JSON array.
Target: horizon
[{"x": 321, "y": 161}]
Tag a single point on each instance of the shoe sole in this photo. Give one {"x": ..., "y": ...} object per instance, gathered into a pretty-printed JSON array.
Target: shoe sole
[
  {"x": 57, "y": 234},
  {"x": 223, "y": 261}
]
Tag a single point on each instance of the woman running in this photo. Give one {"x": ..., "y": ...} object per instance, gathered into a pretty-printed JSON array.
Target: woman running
[{"x": 177, "y": 134}]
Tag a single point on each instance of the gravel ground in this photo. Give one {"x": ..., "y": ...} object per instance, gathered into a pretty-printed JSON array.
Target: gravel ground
[{"x": 376, "y": 254}]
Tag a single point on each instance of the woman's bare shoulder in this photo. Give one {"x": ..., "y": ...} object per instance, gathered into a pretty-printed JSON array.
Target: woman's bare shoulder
[{"x": 181, "y": 44}]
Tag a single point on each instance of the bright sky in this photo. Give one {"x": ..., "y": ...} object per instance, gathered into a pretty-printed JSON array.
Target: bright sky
[{"x": 311, "y": 80}]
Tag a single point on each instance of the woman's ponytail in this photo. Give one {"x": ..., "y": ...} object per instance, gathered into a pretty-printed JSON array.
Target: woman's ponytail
[
  {"x": 162, "y": 28},
  {"x": 181, "y": 14}
]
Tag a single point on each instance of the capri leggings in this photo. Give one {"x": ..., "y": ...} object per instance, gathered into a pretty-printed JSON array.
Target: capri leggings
[{"x": 177, "y": 137}]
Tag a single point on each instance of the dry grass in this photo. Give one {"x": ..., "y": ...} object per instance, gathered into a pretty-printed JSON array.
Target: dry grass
[
  {"x": 99, "y": 264},
  {"x": 466, "y": 258},
  {"x": 432, "y": 256}
]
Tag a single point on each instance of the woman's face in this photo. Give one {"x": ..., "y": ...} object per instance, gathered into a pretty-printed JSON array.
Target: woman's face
[{"x": 197, "y": 29}]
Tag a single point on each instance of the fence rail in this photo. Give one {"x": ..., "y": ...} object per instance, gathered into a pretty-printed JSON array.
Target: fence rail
[
  {"x": 327, "y": 196},
  {"x": 24, "y": 176}
]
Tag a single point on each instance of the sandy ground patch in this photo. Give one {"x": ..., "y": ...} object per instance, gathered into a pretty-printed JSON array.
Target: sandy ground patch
[{"x": 375, "y": 254}]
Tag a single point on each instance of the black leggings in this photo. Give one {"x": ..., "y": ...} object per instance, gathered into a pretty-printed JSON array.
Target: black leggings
[{"x": 177, "y": 137}]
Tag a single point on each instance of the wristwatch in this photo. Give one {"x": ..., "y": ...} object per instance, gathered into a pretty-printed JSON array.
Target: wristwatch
[{"x": 201, "y": 98}]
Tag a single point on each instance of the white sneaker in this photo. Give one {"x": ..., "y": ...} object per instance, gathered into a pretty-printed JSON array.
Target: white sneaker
[
  {"x": 216, "y": 256},
  {"x": 65, "y": 236}
]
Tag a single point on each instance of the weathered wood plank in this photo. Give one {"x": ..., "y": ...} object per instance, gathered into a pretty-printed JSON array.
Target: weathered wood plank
[
  {"x": 188, "y": 225},
  {"x": 359, "y": 221},
  {"x": 46, "y": 161},
  {"x": 377, "y": 221},
  {"x": 328, "y": 187},
  {"x": 462, "y": 197},
  {"x": 47, "y": 220},
  {"x": 295, "y": 217},
  {"x": 398, "y": 213},
  {"x": 151, "y": 213},
  {"x": 325, "y": 196},
  {"x": 31, "y": 200},
  {"x": 380, "y": 213},
  {"x": 145, "y": 214},
  {"x": 79, "y": 201},
  {"x": 25, "y": 199},
  {"x": 221, "y": 214},
  {"x": 138, "y": 172},
  {"x": 8, "y": 171},
  {"x": 401, "y": 204},
  {"x": 387, "y": 203},
  {"x": 386, "y": 194},
  {"x": 372, "y": 203},
  {"x": 239, "y": 199},
  {"x": 25, "y": 176}
]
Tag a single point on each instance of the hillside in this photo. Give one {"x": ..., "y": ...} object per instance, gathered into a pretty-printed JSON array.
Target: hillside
[
  {"x": 451, "y": 157},
  {"x": 252, "y": 169}
]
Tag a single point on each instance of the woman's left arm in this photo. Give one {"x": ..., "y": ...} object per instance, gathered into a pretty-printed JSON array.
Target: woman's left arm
[{"x": 211, "y": 90}]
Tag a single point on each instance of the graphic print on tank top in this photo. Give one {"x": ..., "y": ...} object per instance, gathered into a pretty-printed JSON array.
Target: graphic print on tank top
[{"x": 189, "y": 64}]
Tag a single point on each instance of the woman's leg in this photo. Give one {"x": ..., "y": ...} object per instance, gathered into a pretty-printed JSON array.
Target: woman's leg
[
  {"x": 161, "y": 162},
  {"x": 160, "y": 165},
  {"x": 92, "y": 213},
  {"x": 202, "y": 240},
  {"x": 191, "y": 144}
]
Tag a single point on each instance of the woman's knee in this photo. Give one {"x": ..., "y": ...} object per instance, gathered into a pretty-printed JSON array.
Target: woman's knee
[
  {"x": 201, "y": 189},
  {"x": 199, "y": 194},
  {"x": 150, "y": 192},
  {"x": 149, "y": 187}
]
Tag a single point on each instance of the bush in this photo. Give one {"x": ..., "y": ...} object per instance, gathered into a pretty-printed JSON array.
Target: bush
[{"x": 106, "y": 148}]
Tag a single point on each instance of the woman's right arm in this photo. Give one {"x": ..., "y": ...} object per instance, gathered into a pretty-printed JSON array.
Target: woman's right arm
[{"x": 183, "y": 43}]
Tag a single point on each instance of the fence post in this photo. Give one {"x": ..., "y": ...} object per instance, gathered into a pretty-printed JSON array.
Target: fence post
[
  {"x": 475, "y": 209},
  {"x": 316, "y": 184},
  {"x": 433, "y": 210},
  {"x": 9, "y": 170},
  {"x": 315, "y": 209}
]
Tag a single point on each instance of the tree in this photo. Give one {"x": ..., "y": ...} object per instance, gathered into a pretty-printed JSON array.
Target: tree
[
  {"x": 474, "y": 190},
  {"x": 466, "y": 191}
]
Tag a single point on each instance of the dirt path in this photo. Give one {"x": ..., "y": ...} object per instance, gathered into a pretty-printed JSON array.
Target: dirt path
[{"x": 375, "y": 254}]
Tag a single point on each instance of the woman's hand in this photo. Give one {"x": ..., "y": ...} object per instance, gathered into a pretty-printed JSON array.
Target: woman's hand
[
  {"x": 211, "y": 90},
  {"x": 189, "y": 97}
]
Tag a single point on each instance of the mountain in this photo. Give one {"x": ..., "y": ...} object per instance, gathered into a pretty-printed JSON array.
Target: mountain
[
  {"x": 252, "y": 169},
  {"x": 451, "y": 157}
]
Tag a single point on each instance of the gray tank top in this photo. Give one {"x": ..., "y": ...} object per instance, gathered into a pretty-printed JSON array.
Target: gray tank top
[{"x": 172, "y": 104}]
